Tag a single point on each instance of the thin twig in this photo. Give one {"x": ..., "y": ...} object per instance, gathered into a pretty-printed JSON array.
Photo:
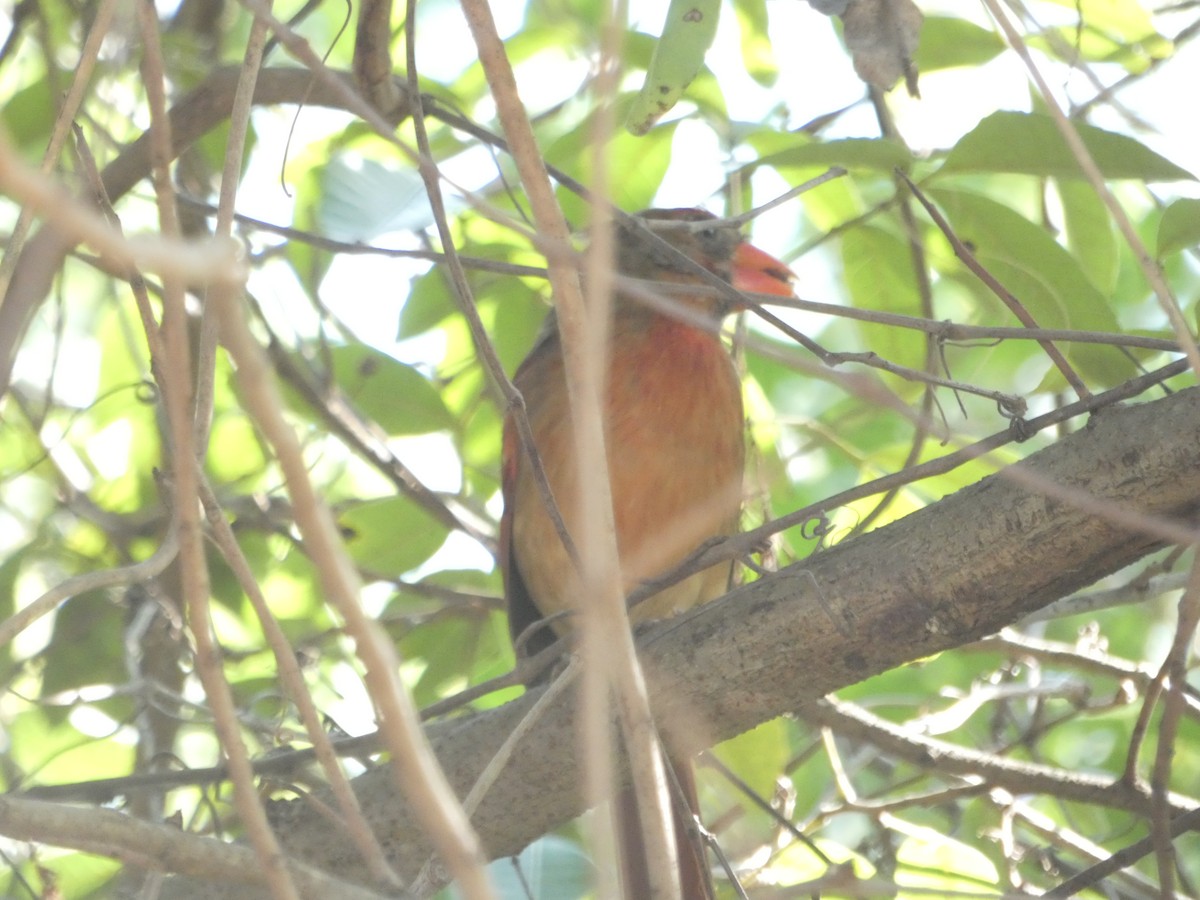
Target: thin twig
[
  {"x": 1182, "y": 823},
  {"x": 365, "y": 438},
  {"x": 485, "y": 350},
  {"x": 235, "y": 145},
  {"x": 136, "y": 573},
  {"x": 1015, "y": 306},
  {"x": 1175, "y": 668},
  {"x": 500, "y": 759},
  {"x": 746, "y": 542},
  {"x": 177, "y": 392},
  {"x": 292, "y": 679},
  {"x": 197, "y": 262},
  {"x": 953, "y": 759},
  {"x": 412, "y": 760},
  {"x": 1010, "y": 404},
  {"x": 828, "y": 175},
  {"x": 609, "y": 655},
  {"x": 1152, "y": 271},
  {"x": 160, "y": 847},
  {"x": 85, "y": 65}
]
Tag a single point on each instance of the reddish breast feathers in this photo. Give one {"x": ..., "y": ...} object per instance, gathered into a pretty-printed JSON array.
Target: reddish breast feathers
[{"x": 675, "y": 450}]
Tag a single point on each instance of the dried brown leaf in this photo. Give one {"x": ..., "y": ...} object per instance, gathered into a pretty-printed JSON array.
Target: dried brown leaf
[{"x": 882, "y": 38}]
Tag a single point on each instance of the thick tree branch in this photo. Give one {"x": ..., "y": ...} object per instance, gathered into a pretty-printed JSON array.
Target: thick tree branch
[{"x": 949, "y": 574}]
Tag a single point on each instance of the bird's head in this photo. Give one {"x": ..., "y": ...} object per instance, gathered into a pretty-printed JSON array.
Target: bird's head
[{"x": 705, "y": 240}]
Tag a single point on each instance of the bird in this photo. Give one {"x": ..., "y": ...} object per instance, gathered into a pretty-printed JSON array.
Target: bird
[{"x": 675, "y": 437}]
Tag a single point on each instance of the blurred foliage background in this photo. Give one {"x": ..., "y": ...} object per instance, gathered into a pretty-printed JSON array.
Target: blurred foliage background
[{"x": 400, "y": 424}]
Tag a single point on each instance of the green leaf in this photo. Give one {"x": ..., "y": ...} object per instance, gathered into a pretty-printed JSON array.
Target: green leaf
[
  {"x": 241, "y": 452},
  {"x": 1112, "y": 31},
  {"x": 1125, "y": 19},
  {"x": 411, "y": 600},
  {"x": 636, "y": 165},
  {"x": 704, "y": 91},
  {"x": 865, "y": 153},
  {"x": 797, "y": 864},
  {"x": 428, "y": 304},
  {"x": 362, "y": 199},
  {"x": 305, "y": 174},
  {"x": 10, "y": 571},
  {"x": 213, "y": 147},
  {"x": 86, "y": 647},
  {"x": 938, "y": 863},
  {"x": 879, "y": 276},
  {"x": 28, "y": 116},
  {"x": 1179, "y": 227},
  {"x": 1088, "y": 44},
  {"x": 391, "y": 536},
  {"x": 476, "y": 644},
  {"x": 948, "y": 43},
  {"x": 399, "y": 398},
  {"x": 42, "y": 743},
  {"x": 756, "y": 756},
  {"x": 1030, "y": 144},
  {"x": 687, "y": 34},
  {"x": 80, "y": 875},
  {"x": 1091, "y": 237},
  {"x": 757, "y": 54},
  {"x": 1042, "y": 275},
  {"x": 516, "y": 318}
]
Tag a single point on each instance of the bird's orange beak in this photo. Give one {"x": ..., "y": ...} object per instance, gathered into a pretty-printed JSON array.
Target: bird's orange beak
[{"x": 757, "y": 272}]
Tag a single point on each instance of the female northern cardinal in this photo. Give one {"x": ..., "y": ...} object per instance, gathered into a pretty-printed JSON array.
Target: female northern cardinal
[{"x": 674, "y": 431}]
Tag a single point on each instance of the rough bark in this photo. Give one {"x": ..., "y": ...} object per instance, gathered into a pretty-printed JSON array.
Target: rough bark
[{"x": 947, "y": 575}]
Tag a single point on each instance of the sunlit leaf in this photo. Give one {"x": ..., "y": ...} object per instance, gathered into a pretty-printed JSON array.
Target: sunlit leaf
[
  {"x": 28, "y": 116},
  {"x": 390, "y": 536},
  {"x": 934, "y": 862},
  {"x": 396, "y": 396},
  {"x": 758, "y": 754},
  {"x": 757, "y": 54},
  {"x": 880, "y": 276},
  {"x": 516, "y": 314},
  {"x": 1031, "y": 144},
  {"x": 1126, "y": 19},
  {"x": 1091, "y": 237},
  {"x": 879, "y": 154},
  {"x": 477, "y": 645},
  {"x": 636, "y": 165},
  {"x": 798, "y": 863},
  {"x": 242, "y": 452},
  {"x": 687, "y": 33},
  {"x": 948, "y": 42},
  {"x": 1043, "y": 276},
  {"x": 362, "y": 199},
  {"x": 428, "y": 304},
  {"x": 1093, "y": 45},
  {"x": 1179, "y": 227}
]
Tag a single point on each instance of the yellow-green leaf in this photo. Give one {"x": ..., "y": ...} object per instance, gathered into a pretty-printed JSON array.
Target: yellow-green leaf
[
  {"x": 1031, "y": 144},
  {"x": 687, "y": 34}
]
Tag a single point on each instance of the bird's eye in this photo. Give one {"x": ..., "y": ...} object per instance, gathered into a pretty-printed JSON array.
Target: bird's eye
[{"x": 707, "y": 234}]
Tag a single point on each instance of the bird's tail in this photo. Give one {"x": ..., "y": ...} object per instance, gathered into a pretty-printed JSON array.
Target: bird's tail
[{"x": 694, "y": 877}]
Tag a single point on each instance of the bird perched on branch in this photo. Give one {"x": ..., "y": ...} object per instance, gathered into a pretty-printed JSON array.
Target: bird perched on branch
[{"x": 674, "y": 433}]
